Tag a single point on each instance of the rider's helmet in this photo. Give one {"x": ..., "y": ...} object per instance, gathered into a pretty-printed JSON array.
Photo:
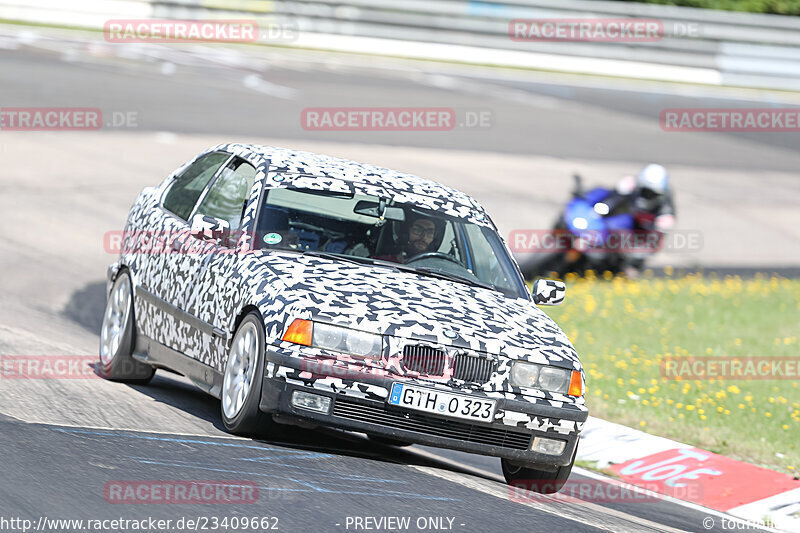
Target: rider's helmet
[{"x": 652, "y": 186}]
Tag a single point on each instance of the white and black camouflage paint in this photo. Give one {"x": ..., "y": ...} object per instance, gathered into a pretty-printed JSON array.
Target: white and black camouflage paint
[{"x": 405, "y": 308}]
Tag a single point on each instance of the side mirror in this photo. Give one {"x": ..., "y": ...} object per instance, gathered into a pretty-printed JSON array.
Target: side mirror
[
  {"x": 208, "y": 228},
  {"x": 548, "y": 292}
]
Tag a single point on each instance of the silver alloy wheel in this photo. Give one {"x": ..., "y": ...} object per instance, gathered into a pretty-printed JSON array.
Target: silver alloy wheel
[
  {"x": 240, "y": 370},
  {"x": 115, "y": 318}
]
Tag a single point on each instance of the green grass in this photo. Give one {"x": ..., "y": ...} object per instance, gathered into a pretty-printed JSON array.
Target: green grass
[
  {"x": 778, "y": 7},
  {"x": 623, "y": 330}
]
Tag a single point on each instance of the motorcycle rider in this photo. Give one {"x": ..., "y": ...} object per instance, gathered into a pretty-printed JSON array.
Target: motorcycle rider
[
  {"x": 648, "y": 197},
  {"x": 645, "y": 197}
]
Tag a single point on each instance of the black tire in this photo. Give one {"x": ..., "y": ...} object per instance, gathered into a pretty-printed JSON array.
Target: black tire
[
  {"x": 116, "y": 362},
  {"x": 388, "y": 441},
  {"x": 542, "y": 481},
  {"x": 249, "y": 420}
]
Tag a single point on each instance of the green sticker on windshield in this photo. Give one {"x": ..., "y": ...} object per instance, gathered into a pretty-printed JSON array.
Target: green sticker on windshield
[{"x": 272, "y": 238}]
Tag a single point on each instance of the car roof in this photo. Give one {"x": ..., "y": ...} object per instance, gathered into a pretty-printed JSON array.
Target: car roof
[{"x": 295, "y": 168}]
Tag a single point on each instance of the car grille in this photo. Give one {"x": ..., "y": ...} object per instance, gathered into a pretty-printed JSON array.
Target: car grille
[
  {"x": 423, "y": 359},
  {"x": 438, "y": 427},
  {"x": 473, "y": 368}
]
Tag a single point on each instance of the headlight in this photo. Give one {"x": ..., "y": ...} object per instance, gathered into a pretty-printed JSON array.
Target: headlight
[
  {"x": 360, "y": 343},
  {"x": 545, "y": 377},
  {"x": 554, "y": 379},
  {"x": 336, "y": 338},
  {"x": 327, "y": 336},
  {"x": 525, "y": 374}
]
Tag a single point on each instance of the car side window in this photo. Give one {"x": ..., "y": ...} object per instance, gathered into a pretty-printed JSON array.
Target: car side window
[
  {"x": 188, "y": 187},
  {"x": 228, "y": 195}
]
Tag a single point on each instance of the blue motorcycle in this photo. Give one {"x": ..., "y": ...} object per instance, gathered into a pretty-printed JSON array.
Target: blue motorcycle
[{"x": 597, "y": 230}]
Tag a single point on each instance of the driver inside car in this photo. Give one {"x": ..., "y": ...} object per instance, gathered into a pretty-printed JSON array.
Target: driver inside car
[{"x": 416, "y": 236}]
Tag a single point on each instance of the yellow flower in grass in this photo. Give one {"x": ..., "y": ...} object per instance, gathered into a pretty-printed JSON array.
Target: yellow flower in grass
[
  {"x": 768, "y": 414},
  {"x": 590, "y": 305},
  {"x": 785, "y": 426},
  {"x": 733, "y": 389},
  {"x": 690, "y": 407}
]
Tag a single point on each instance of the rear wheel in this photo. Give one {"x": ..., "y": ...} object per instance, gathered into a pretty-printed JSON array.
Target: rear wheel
[
  {"x": 244, "y": 374},
  {"x": 118, "y": 335},
  {"x": 541, "y": 480}
]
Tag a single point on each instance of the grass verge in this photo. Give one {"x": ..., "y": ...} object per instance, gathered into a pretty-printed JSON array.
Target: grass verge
[{"x": 624, "y": 331}]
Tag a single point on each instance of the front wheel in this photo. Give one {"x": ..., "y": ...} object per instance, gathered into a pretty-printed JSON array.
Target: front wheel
[
  {"x": 535, "y": 479},
  {"x": 118, "y": 336},
  {"x": 244, "y": 373}
]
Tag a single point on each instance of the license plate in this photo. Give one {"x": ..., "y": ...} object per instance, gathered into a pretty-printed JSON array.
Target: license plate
[{"x": 441, "y": 403}]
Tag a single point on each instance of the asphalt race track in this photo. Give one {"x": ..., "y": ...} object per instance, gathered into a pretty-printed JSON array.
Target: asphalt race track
[{"x": 62, "y": 441}]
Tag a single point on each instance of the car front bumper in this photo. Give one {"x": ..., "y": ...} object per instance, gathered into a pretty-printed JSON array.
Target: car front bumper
[{"x": 369, "y": 414}]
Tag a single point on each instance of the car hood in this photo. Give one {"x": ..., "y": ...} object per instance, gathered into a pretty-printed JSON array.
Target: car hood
[{"x": 403, "y": 304}]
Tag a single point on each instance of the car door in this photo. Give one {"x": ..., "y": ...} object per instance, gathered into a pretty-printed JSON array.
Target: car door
[
  {"x": 164, "y": 279},
  {"x": 214, "y": 278}
]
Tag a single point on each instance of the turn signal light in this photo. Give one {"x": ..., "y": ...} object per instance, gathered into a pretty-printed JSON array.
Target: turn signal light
[
  {"x": 575, "y": 384},
  {"x": 299, "y": 332}
]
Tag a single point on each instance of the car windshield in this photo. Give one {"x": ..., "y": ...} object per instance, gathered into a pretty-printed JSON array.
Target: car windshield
[{"x": 368, "y": 229}]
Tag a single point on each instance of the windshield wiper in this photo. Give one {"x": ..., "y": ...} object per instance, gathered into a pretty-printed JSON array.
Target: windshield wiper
[
  {"x": 435, "y": 272},
  {"x": 425, "y": 271},
  {"x": 357, "y": 259}
]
